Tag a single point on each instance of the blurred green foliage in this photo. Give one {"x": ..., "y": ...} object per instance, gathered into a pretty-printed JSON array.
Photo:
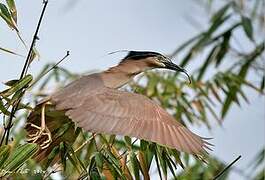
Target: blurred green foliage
[{"x": 108, "y": 157}]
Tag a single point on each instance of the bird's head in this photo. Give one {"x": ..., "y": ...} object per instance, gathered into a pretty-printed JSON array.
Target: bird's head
[{"x": 153, "y": 60}]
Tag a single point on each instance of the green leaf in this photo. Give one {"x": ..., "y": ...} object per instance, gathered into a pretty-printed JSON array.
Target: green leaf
[
  {"x": 135, "y": 165},
  {"x": 206, "y": 63},
  {"x": 16, "y": 97},
  {"x": 162, "y": 160},
  {"x": 6, "y": 16},
  {"x": 63, "y": 153},
  {"x": 143, "y": 165},
  {"x": 157, "y": 165},
  {"x": 241, "y": 92},
  {"x": 223, "y": 48},
  {"x": 211, "y": 110},
  {"x": 247, "y": 26},
  {"x": 128, "y": 141},
  {"x": 10, "y": 51},
  {"x": 3, "y": 109},
  {"x": 99, "y": 160},
  {"x": 76, "y": 161},
  {"x": 51, "y": 156},
  {"x": 231, "y": 95},
  {"x": 18, "y": 86},
  {"x": 93, "y": 172},
  {"x": 20, "y": 156},
  {"x": 114, "y": 164},
  {"x": 4, "y": 153},
  {"x": 34, "y": 54},
  {"x": 220, "y": 13},
  {"x": 170, "y": 162},
  {"x": 12, "y": 8},
  {"x": 214, "y": 91},
  {"x": 151, "y": 86},
  {"x": 62, "y": 130},
  {"x": 11, "y": 82},
  {"x": 149, "y": 155}
]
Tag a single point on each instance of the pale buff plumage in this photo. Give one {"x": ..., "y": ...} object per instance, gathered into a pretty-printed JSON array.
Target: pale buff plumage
[{"x": 95, "y": 104}]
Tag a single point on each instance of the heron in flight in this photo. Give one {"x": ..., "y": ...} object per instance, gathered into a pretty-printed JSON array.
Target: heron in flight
[{"x": 95, "y": 103}]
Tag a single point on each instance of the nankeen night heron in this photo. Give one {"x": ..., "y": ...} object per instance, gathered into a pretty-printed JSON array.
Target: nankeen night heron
[{"x": 95, "y": 104}]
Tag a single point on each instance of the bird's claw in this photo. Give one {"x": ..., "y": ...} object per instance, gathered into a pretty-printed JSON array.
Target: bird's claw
[{"x": 40, "y": 135}]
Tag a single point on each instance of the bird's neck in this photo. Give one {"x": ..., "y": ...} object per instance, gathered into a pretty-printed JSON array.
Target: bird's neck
[{"x": 116, "y": 77}]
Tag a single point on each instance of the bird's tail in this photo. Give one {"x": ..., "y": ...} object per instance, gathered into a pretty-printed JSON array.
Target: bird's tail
[{"x": 59, "y": 127}]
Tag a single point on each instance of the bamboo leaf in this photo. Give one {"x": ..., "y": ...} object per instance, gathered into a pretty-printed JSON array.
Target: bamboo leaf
[
  {"x": 212, "y": 111},
  {"x": 128, "y": 141},
  {"x": 220, "y": 13},
  {"x": 113, "y": 164},
  {"x": 170, "y": 162},
  {"x": 229, "y": 99},
  {"x": 12, "y": 8},
  {"x": 99, "y": 160},
  {"x": 51, "y": 156},
  {"x": 223, "y": 48},
  {"x": 20, "y": 155},
  {"x": 247, "y": 26},
  {"x": 162, "y": 160},
  {"x": 18, "y": 86},
  {"x": 135, "y": 165},
  {"x": 4, "y": 153},
  {"x": 157, "y": 164},
  {"x": 93, "y": 172},
  {"x": 150, "y": 152},
  {"x": 62, "y": 130},
  {"x": 34, "y": 54},
  {"x": 3, "y": 109},
  {"x": 208, "y": 60},
  {"x": 11, "y": 82},
  {"x": 15, "y": 97},
  {"x": 241, "y": 92},
  {"x": 6, "y": 16},
  {"x": 63, "y": 153},
  {"x": 215, "y": 93},
  {"x": 143, "y": 165},
  {"x": 76, "y": 162},
  {"x": 151, "y": 86},
  {"x": 10, "y": 52},
  {"x": 231, "y": 95}
]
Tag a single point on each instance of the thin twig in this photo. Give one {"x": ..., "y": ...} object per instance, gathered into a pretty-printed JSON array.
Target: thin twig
[
  {"x": 54, "y": 66},
  {"x": 35, "y": 37},
  {"x": 84, "y": 143},
  {"x": 226, "y": 168},
  {"x": 24, "y": 71}
]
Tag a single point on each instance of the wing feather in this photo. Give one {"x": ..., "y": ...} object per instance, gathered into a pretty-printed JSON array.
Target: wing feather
[{"x": 116, "y": 112}]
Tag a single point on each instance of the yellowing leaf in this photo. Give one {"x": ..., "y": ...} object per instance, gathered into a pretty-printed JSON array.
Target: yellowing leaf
[{"x": 12, "y": 8}]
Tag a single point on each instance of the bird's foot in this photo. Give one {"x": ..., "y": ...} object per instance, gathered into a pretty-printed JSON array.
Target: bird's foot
[{"x": 39, "y": 135}]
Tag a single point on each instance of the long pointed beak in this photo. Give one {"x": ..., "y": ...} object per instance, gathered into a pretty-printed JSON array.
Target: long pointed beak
[{"x": 172, "y": 66}]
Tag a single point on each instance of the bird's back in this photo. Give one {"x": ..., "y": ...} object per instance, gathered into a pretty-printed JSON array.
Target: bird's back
[{"x": 75, "y": 92}]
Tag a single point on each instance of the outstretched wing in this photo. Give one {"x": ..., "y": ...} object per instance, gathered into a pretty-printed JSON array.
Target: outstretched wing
[{"x": 122, "y": 113}]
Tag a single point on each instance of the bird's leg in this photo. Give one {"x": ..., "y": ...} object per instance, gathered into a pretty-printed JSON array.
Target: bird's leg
[{"x": 41, "y": 131}]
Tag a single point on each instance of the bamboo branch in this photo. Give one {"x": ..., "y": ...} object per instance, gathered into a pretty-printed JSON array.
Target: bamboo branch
[
  {"x": 226, "y": 168},
  {"x": 23, "y": 73}
]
